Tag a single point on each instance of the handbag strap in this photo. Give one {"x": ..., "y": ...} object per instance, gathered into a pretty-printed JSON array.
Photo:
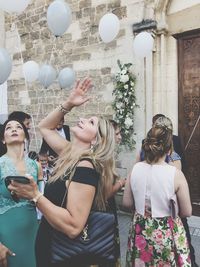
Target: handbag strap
[{"x": 70, "y": 177}]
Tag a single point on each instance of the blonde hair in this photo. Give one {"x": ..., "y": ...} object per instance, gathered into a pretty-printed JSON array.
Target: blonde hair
[
  {"x": 102, "y": 155},
  {"x": 158, "y": 141}
]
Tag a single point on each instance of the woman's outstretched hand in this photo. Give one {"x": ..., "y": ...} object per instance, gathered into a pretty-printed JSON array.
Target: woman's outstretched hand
[{"x": 78, "y": 95}]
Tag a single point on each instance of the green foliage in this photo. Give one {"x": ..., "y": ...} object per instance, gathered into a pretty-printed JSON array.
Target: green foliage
[{"x": 124, "y": 103}]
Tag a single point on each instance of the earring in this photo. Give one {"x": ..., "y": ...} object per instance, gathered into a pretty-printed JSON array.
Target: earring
[
  {"x": 92, "y": 148},
  {"x": 4, "y": 142}
]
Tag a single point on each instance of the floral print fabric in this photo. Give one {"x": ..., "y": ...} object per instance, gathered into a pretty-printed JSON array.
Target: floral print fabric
[{"x": 157, "y": 242}]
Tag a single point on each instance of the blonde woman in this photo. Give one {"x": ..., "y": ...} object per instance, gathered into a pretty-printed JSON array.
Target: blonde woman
[{"x": 92, "y": 138}]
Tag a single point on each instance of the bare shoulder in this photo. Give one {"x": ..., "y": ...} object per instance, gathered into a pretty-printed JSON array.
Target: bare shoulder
[
  {"x": 85, "y": 163},
  {"x": 180, "y": 179},
  {"x": 179, "y": 175}
]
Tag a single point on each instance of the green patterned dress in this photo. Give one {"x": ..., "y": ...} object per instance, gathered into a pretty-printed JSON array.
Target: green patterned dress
[{"x": 18, "y": 221}]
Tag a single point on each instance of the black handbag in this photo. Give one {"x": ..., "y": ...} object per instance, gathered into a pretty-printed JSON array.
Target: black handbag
[{"x": 95, "y": 244}]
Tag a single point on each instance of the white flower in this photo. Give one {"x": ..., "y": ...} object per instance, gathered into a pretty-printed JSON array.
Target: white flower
[
  {"x": 123, "y": 71},
  {"x": 132, "y": 83},
  {"x": 128, "y": 122},
  {"x": 125, "y": 102},
  {"x": 119, "y": 105},
  {"x": 124, "y": 78}
]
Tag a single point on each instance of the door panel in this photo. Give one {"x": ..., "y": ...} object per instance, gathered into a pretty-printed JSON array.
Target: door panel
[{"x": 189, "y": 110}]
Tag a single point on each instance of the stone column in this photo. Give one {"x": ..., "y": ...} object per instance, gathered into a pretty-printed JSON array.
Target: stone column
[
  {"x": 3, "y": 87},
  {"x": 148, "y": 91},
  {"x": 150, "y": 26}
]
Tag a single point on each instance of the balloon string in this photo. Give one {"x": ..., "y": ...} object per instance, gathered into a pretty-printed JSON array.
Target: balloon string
[
  {"x": 50, "y": 59},
  {"x": 192, "y": 133},
  {"x": 53, "y": 48},
  {"x": 26, "y": 85}
]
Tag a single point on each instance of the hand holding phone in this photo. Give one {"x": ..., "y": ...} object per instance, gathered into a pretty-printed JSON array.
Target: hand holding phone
[{"x": 18, "y": 179}]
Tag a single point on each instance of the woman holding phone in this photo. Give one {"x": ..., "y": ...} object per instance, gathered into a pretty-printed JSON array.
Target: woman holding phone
[{"x": 18, "y": 218}]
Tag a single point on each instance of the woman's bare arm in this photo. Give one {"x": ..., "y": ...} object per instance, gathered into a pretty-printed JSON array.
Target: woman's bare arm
[
  {"x": 48, "y": 125},
  {"x": 183, "y": 195},
  {"x": 176, "y": 163},
  {"x": 71, "y": 219},
  {"x": 128, "y": 201}
]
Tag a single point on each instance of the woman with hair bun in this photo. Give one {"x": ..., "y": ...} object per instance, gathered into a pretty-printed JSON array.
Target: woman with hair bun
[{"x": 157, "y": 236}]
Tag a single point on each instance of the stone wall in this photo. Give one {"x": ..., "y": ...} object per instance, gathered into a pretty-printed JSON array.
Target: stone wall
[{"x": 28, "y": 38}]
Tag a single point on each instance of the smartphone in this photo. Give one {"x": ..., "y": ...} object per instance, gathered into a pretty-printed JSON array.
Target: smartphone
[{"x": 18, "y": 179}]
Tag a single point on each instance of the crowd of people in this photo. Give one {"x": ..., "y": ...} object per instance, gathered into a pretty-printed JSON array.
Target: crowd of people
[{"x": 70, "y": 177}]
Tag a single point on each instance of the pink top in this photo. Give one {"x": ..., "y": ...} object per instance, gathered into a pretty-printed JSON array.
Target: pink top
[{"x": 153, "y": 187}]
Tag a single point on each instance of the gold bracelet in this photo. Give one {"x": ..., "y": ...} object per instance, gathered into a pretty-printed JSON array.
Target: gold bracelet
[
  {"x": 36, "y": 198},
  {"x": 62, "y": 109}
]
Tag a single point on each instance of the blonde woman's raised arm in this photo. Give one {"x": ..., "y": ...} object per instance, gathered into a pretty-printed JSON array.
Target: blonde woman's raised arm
[{"x": 48, "y": 125}]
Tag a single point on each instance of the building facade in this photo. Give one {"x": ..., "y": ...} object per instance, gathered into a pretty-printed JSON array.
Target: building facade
[{"x": 168, "y": 80}]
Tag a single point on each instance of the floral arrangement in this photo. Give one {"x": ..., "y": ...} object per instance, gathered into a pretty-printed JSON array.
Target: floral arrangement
[{"x": 124, "y": 103}]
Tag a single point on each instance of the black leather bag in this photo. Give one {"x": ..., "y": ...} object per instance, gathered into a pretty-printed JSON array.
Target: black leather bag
[{"x": 95, "y": 245}]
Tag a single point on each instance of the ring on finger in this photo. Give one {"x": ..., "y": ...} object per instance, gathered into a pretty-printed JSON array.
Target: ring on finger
[{"x": 12, "y": 192}]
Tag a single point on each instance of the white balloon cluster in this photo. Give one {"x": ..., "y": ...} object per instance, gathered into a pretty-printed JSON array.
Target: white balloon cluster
[
  {"x": 143, "y": 44},
  {"x": 59, "y": 17},
  {"x": 46, "y": 75},
  {"x": 9, "y": 6}
]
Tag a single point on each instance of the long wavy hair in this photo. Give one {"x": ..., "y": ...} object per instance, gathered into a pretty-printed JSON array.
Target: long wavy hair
[{"x": 102, "y": 155}]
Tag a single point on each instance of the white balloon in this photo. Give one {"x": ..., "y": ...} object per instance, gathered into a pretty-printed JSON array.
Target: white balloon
[
  {"x": 30, "y": 71},
  {"x": 47, "y": 75},
  {"x": 59, "y": 17},
  {"x": 66, "y": 78},
  {"x": 108, "y": 27},
  {"x": 143, "y": 44},
  {"x": 5, "y": 65},
  {"x": 11, "y": 6}
]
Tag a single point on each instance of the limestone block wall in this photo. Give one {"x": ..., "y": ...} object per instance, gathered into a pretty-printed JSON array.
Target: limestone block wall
[{"x": 28, "y": 38}]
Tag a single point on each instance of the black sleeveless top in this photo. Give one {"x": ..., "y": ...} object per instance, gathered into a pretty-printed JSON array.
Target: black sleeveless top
[{"x": 55, "y": 193}]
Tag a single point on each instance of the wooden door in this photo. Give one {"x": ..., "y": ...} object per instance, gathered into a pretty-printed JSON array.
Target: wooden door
[{"x": 189, "y": 110}]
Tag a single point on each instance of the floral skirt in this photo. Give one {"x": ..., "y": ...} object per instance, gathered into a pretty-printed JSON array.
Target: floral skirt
[{"x": 157, "y": 242}]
